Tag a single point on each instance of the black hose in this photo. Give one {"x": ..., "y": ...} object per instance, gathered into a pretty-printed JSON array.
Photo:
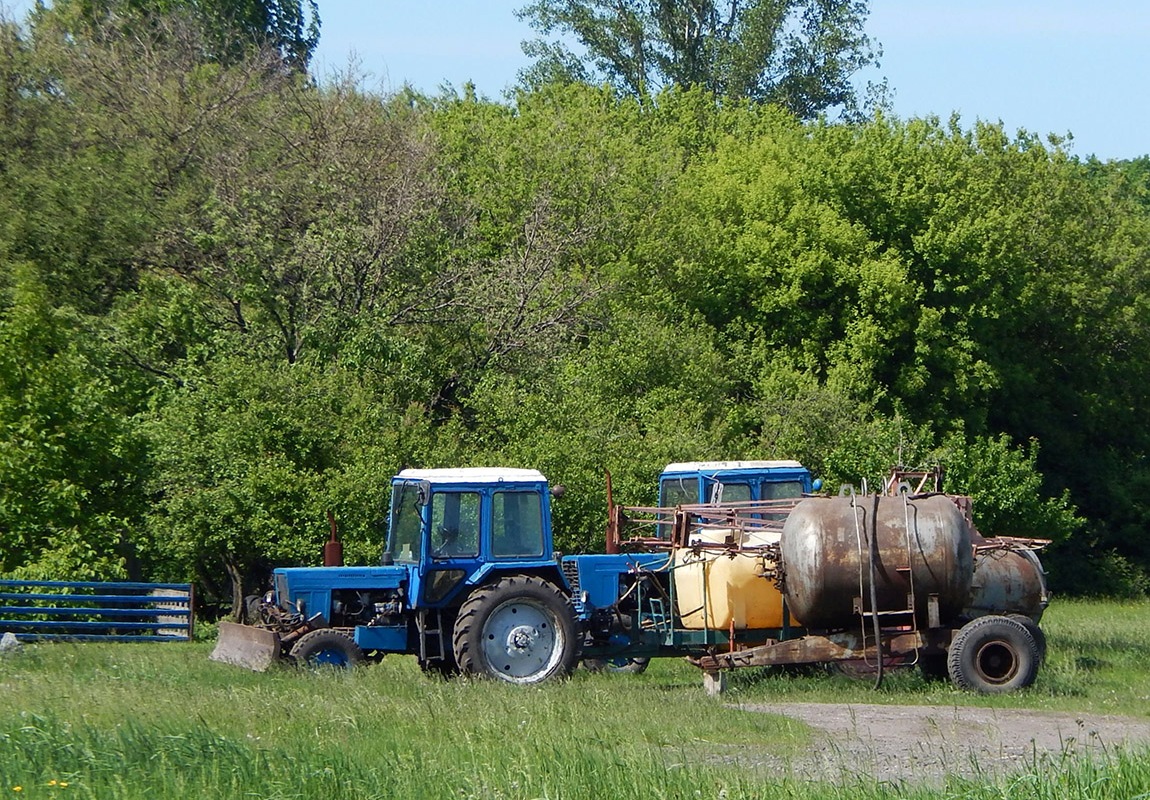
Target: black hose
[{"x": 874, "y": 591}]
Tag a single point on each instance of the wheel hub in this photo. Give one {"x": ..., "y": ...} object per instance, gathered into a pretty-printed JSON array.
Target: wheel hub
[
  {"x": 520, "y": 640},
  {"x": 997, "y": 663}
]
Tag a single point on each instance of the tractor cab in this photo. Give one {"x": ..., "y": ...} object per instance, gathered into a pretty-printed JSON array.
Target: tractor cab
[
  {"x": 455, "y": 527},
  {"x": 717, "y": 482}
]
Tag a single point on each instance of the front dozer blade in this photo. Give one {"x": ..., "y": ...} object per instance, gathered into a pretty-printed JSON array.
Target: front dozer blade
[{"x": 244, "y": 646}]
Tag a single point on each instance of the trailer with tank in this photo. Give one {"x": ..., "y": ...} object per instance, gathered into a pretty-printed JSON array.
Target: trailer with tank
[{"x": 469, "y": 583}]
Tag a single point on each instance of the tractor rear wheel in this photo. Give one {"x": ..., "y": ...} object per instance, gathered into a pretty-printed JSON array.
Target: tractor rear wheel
[
  {"x": 993, "y": 654},
  {"x": 327, "y": 647},
  {"x": 520, "y": 629}
]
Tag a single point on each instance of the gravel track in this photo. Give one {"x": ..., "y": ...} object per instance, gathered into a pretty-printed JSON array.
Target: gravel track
[{"x": 923, "y": 744}]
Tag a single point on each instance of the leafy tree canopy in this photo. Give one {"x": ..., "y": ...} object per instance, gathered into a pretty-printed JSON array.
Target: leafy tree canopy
[
  {"x": 799, "y": 54},
  {"x": 290, "y": 27}
]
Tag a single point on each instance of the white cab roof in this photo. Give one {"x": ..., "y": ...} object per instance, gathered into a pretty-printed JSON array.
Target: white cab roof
[
  {"x": 473, "y": 475},
  {"x": 719, "y": 466}
]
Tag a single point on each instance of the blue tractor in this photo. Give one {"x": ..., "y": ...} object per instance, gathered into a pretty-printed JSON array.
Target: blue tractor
[{"x": 469, "y": 583}]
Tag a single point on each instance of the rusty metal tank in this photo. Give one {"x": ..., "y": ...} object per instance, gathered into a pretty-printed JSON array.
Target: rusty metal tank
[
  {"x": 1007, "y": 580},
  {"x": 920, "y": 542}
]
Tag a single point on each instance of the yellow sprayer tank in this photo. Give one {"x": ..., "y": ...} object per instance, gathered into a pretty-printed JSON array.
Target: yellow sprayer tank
[{"x": 714, "y": 588}]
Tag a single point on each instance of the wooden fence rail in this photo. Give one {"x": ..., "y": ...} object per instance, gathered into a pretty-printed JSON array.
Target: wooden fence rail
[{"x": 97, "y": 611}]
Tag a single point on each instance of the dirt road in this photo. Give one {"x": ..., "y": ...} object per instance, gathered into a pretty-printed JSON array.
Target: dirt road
[{"x": 924, "y": 743}]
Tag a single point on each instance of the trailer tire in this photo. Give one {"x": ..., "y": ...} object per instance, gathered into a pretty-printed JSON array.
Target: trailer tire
[
  {"x": 520, "y": 629},
  {"x": 622, "y": 664},
  {"x": 327, "y": 647},
  {"x": 1035, "y": 631},
  {"x": 993, "y": 654}
]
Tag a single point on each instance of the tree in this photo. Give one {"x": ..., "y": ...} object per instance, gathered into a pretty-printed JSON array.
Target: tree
[
  {"x": 69, "y": 454},
  {"x": 289, "y": 27},
  {"x": 249, "y": 458},
  {"x": 799, "y": 54}
]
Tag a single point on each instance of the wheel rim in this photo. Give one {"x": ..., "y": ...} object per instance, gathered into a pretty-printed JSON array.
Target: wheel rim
[
  {"x": 521, "y": 641},
  {"x": 996, "y": 662},
  {"x": 330, "y": 656}
]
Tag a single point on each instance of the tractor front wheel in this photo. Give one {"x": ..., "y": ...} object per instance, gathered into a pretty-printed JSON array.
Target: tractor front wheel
[
  {"x": 327, "y": 647},
  {"x": 520, "y": 629}
]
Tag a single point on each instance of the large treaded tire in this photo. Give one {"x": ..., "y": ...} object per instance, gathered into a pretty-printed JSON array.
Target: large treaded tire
[
  {"x": 520, "y": 629},
  {"x": 993, "y": 654},
  {"x": 1035, "y": 631},
  {"x": 327, "y": 647}
]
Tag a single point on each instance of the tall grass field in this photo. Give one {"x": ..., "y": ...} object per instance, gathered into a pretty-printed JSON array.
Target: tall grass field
[{"x": 162, "y": 721}]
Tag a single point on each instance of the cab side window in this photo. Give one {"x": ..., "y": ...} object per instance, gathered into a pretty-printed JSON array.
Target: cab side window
[
  {"x": 782, "y": 491},
  {"x": 786, "y": 490},
  {"x": 517, "y": 525}
]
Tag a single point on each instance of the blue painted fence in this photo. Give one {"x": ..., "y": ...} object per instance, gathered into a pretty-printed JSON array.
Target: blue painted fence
[{"x": 89, "y": 611}]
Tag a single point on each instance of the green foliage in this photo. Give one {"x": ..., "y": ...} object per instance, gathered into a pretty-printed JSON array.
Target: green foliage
[
  {"x": 643, "y": 393},
  {"x": 250, "y": 458},
  {"x": 70, "y": 497},
  {"x": 301, "y": 288},
  {"x": 798, "y": 55},
  {"x": 290, "y": 28},
  {"x": 1006, "y": 486}
]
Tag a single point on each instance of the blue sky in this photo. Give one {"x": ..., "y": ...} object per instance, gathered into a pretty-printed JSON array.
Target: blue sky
[{"x": 1049, "y": 66}]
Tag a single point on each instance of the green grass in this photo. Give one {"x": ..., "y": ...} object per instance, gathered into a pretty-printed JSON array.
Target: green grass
[{"x": 160, "y": 721}]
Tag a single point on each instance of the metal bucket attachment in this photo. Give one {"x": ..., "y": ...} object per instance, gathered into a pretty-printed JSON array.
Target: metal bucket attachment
[{"x": 244, "y": 646}]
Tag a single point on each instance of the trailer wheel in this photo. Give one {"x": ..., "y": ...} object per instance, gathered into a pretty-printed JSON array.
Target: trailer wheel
[
  {"x": 519, "y": 629},
  {"x": 327, "y": 647},
  {"x": 621, "y": 664},
  {"x": 993, "y": 654},
  {"x": 1035, "y": 631}
]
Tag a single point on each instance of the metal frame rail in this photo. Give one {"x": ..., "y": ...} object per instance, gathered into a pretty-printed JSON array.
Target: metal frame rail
[{"x": 97, "y": 611}]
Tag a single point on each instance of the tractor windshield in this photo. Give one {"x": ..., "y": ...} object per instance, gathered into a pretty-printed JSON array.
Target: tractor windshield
[
  {"x": 678, "y": 492},
  {"x": 407, "y": 502}
]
